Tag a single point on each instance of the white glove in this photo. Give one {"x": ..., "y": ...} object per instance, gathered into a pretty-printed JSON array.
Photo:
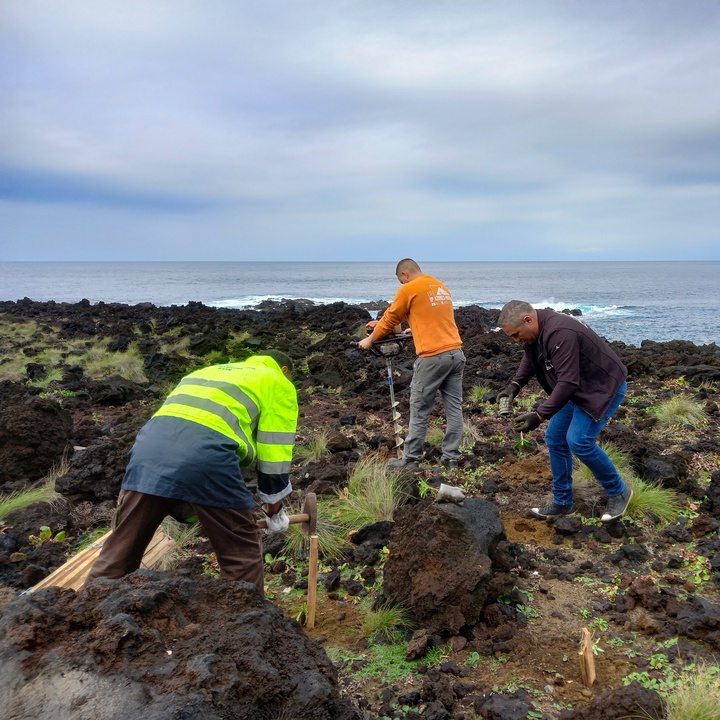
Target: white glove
[
  {"x": 279, "y": 522},
  {"x": 448, "y": 493}
]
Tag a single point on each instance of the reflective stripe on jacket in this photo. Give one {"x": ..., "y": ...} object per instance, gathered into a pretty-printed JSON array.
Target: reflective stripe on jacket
[{"x": 253, "y": 404}]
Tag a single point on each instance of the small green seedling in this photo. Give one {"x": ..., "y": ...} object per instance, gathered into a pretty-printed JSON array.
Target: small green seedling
[{"x": 45, "y": 535}]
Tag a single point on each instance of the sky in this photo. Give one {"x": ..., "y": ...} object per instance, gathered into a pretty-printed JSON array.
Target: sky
[{"x": 363, "y": 130}]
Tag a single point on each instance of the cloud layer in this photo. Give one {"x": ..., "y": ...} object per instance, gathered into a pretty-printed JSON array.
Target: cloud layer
[{"x": 365, "y": 130}]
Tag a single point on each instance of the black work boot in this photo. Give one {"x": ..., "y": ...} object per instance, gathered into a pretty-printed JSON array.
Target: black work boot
[
  {"x": 617, "y": 506},
  {"x": 552, "y": 509},
  {"x": 401, "y": 464}
]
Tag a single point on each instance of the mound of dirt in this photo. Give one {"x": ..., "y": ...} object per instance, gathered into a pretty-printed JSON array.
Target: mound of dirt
[
  {"x": 161, "y": 646},
  {"x": 443, "y": 562}
]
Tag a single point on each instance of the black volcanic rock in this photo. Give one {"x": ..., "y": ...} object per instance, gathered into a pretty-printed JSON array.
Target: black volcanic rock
[{"x": 35, "y": 435}]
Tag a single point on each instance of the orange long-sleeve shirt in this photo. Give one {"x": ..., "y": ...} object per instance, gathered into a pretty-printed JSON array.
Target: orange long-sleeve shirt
[{"x": 427, "y": 304}]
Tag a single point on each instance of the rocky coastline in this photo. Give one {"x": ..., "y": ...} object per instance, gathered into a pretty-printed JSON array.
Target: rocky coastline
[{"x": 62, "y": 408}]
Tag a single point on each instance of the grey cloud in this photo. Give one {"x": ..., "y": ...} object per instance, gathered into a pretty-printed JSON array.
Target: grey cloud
[
  {"x": 530, "y": 124},
  {"x": 29, "y": 186}
]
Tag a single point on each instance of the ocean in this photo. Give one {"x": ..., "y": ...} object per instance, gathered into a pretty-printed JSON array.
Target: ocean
[{"x": 626, "y": 301}]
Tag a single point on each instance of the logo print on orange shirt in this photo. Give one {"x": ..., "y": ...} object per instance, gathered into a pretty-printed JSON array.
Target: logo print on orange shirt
[{"x": 439, "y": 295}]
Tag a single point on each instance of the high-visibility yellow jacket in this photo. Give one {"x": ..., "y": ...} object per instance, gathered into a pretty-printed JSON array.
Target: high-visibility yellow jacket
[{"x": 252, "y": 404}]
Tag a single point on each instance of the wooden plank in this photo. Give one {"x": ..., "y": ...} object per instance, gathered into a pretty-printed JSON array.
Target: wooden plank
[
  {"x": 159, "y": 547},
  {"x": 73, "y": 573},
  {"x": 75, "y": 569}
]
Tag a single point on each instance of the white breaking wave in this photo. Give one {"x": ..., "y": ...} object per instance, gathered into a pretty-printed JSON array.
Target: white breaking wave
[{"x": 587, "y": 310}]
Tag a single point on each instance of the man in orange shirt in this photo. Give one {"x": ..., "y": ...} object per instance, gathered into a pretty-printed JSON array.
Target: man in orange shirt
[{"x": 427, "y": 304}]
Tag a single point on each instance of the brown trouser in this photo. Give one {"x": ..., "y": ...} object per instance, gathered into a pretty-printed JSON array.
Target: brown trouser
[{"x": 233, "y": 534}]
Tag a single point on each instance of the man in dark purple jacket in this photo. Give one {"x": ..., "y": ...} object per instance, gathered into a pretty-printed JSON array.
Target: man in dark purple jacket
[{"x": 586, "y": 382}]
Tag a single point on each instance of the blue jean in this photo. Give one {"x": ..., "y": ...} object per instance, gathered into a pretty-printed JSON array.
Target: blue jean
[{"x": 573, "y": 432}]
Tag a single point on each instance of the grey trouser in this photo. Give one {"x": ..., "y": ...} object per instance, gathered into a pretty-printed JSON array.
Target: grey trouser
[
  {"x": 233, "y": 534},
  {"x": 443, "y": 372}
]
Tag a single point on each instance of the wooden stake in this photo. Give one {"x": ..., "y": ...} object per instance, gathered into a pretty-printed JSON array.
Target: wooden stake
[
  {"x": 587, "y": 659},
  {"x": 312, "y": 582}
]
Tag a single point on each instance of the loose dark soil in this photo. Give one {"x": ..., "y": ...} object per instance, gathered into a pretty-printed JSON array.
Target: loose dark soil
[{"x": 188, "y": 645}]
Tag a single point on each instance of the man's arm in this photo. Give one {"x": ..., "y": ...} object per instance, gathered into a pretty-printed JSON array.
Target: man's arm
[
  {"x": 392, "y": 317},
  {"x": 367, "y": 342},
  {"x": 275, "y": 442},
  {"x": 525, "y": 371}
]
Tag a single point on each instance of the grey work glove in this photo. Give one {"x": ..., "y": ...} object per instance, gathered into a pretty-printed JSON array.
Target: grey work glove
[{"x": 279, "y": 522}]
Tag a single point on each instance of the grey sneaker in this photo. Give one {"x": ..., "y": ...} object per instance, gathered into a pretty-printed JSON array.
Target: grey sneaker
[
  {"x": 617, "y": 506},
  {"x": 552, "y": 509},
  {"x": 401, "y": 464}
]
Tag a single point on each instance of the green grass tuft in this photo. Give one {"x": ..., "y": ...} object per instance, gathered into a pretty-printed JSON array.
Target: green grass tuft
[
  {"x": 471, "y": 435},
  {"x": 23, "y": 498},
  {"x": 183, "y": 534},
  {"x": 477, "y": 392},
  {"x": 316, "y": 449},
  {"x": 236, "y": 345},
  {"x": 434, "y": 436},
  {"x": 583, "y": 477},
  {"x": 331, "y": 534},
  {"x": 697, "y": 696},
  {"x": 386, "y": 620},
  {"x": 216, "y": 357},
  {"x": 179, "y": 347},
  {"x": 92, "y": 536},
  {"x": 54, "y": 375},
  {"x": 680, "y": 410},
  {"x": 387, "y": 662},
  {"x": 99, "y": 363},
  {"x": 372, "y": 494},
  {"x": 649, "y": 499},
  {"x": 13, "y": 369},
  {"x": 653, "y": 501}
]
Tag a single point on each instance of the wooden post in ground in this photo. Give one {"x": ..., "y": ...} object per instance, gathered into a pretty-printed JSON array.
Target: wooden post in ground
[
  {"x": 587, "y": 659},
  {"x": 312, "y": 582}
]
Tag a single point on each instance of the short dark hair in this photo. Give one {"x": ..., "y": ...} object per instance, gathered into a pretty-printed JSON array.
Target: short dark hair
[
  {"x": 407, "y": 264},
  {"x": 281, "y": 358}
]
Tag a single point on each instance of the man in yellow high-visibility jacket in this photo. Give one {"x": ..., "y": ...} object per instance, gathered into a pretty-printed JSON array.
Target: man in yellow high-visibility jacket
[{"x": 217, "y": 420}]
